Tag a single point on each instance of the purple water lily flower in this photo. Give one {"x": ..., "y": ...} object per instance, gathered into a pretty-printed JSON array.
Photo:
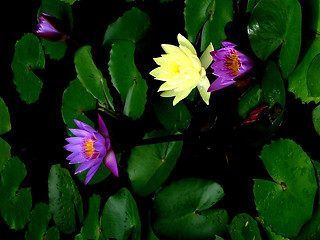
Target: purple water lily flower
[
  {"x": 90, "y": 148},
  {"x": 47, "y": 29},
  {"x": 228, "y": 65}
]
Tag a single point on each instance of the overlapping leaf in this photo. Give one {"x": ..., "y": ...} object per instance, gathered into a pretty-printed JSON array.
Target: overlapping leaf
[
  {"x": 292, "y": 193},
  {"x": 5, "y": 124},
  {"x": 132, "y": 26},
  {"x": 183, "y": 210},
  {"x": 150, "y": 165},
  {"x": 91, "y": 77},
  {"x": 210, "y": 17},
  {"x": 39, "y": 220},
  {"x": 273, "y": 24},
  {"x": 15, "y": 203},
  {"x": 64, "y": 199},
  {"x": 127, "y": 79},
  {"x": 244, "y": 227},
  {"x": 297, "y": 81},
  {"x": 28, "y": 57},
  {"x": 75, "y": 101},
  {"x": 120, "y": 217}
]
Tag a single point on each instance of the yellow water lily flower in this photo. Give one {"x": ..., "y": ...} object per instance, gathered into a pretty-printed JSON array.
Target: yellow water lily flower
[{"x": 182, "y": 70}]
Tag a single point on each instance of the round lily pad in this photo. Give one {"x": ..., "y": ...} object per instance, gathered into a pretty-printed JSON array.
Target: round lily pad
[
  {"x": 276, "y": 23},
  {"x": 183, "y": 210},
  {"x": 150, "y": 165},
  {"x": 28, "y": 56},
  {"x": 286, "y": 203}
]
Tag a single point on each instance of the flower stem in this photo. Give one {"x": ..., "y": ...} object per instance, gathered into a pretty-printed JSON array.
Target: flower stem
[{"x": 103, "y": 108}]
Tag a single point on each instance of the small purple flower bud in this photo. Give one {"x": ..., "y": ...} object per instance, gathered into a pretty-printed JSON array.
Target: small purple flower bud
[{"x": 47, "y": 29}]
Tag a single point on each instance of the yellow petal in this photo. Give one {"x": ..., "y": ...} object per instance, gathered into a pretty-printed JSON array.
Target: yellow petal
[
  {"x": 179, "y": 96},
  {"x": 168, "y": 48},
  {"x": 185, "y": 42},
  {"x": 160, "y": 60},
  {"x": 206, "y": 57},
  {"x": 169, "y": 93},
  {"x": 203, "y": 86},
  {"x": 156, "y": 72}
]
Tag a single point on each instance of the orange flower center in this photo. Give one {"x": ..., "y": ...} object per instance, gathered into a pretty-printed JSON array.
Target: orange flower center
[
  {"x": 89, "y": 150},
  {"x": 233, "y": 63}
]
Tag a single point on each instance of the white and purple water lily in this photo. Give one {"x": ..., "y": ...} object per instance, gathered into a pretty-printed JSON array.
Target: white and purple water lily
[
  {"x": 228, "y": 65},
  {"x": 90, "y": 148},
  {"x": 48, "y": 30}
]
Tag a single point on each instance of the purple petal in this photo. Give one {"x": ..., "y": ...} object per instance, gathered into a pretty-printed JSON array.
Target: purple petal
[
  {"x": 80, "y": 133},
  {"x": 111, "y": 162},
  {"x": 73, "y": 148},
  {"x": 86, "y": 165},
  {"x": 220, "y": 83},
  {"x": 77, "y": 158},
  {"x": 91, "y": 173},
  {"x": 228, "y": 44},
  {"x": 84, "y": 126},
  {"x": 102, "y": 127},
  {"x": 75, "y": 140}
]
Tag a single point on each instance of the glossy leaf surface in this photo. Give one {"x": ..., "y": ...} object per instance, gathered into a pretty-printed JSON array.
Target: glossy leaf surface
[
  {"x": 5, "y": 124},
  {"x": 131, "y": 26},
  {"x": 244, "y": 227},
  {"x": 15, "y": 203},
  {"x": 186, "y": 205},
  {"x": 127, "y": 79},
  {"x": 297, "y": 82},
  {"x": 28, "y": 56},
  {"x": 292, "y": 193},
  {"x": 273, "y": 24},
  {"x": 75, "y": 101},
  {"x": 64, "y": 199},
  {"x": 120, "y": 217},
  {"x": 150, "y": 165},
  {"x": 91, "y": 77},
  {"x": 210, "y": 17}
]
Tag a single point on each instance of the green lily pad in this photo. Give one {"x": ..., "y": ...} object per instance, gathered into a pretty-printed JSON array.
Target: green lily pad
[
  {"x": 91, "y": 224},
  {"x": 15, "y": 203},
  {"x": 210, "y": 16},
  {"x": 313, "y": 77},
  {"x": 75, "y": 101},
  {"x": 127, "y": 79},
  {"x": 250, "y": 100},
  {"x": 183, "y": 210},
  {"x": 297, "y": 81},
  {"x": 40, "y": 217},
  {"x": 120, "y": 217},
  {"x": 316, "y": 119},
  {"x": 150, "y": 165},
  {"x": 273, "y": 24},
  {"x": 132, "y": 26},
  {"x": 5, "y": 124},
  {"x": 64, "y": 199},
  {"x": 292, "y": 193},
  {"x": 91, "y": 77},
  {"x": 173, "y": 118},
  {"x": 244, "y": 227},
  {"x": 28, "y": 56},
  {"x": 311, "y": 230},
  {"x": 311, "y": 9},
  {"x": 63, "y": 12},
  {"x": 5, "y": 150}
]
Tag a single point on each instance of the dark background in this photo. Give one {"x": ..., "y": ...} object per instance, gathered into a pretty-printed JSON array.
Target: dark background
[{"x": 38, "y": 131}]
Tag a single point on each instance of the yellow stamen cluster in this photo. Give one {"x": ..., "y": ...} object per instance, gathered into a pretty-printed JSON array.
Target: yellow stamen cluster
[{"x": 233, "y": 63}]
